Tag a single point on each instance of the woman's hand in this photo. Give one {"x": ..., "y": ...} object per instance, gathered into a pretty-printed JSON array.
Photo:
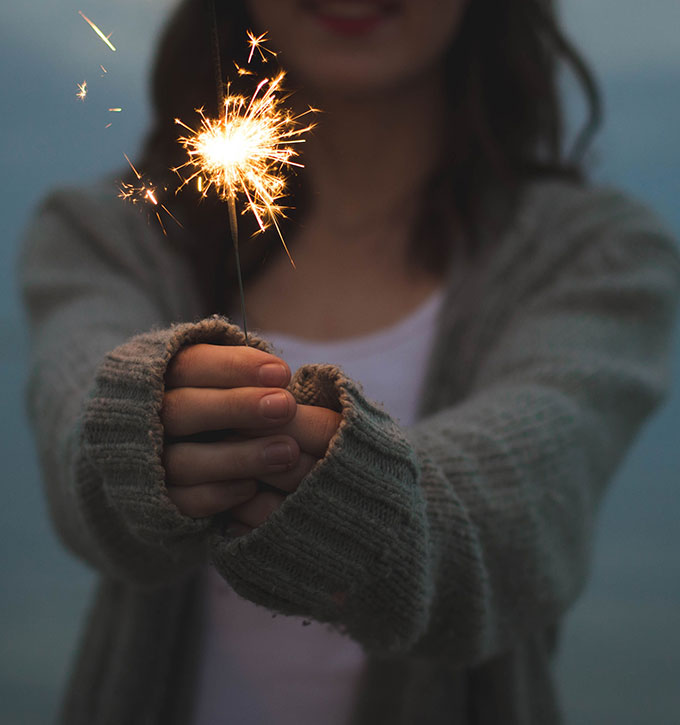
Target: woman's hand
[{"x": 272, "y": 439}]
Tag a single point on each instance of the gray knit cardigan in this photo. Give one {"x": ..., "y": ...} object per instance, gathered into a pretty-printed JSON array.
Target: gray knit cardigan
[{"x": 450, "y": 550}]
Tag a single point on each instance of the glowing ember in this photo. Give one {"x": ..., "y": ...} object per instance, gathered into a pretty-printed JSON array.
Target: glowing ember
[
  {"x": 245, "y": 151},
  {"x": 243, "y": 71},
  {"x": 105, "y": 38},
  {"x": 82, "y": 91},
  {"x": 256, "y": 43},
  {"x": 144, "y": 193},
  {"x": 115, "y": 110}
]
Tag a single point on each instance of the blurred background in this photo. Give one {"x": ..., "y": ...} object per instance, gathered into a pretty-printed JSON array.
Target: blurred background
[{"x": 620, "y": 658}]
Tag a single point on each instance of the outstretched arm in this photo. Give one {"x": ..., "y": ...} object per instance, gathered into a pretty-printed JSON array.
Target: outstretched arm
[{"x": 474, "y": 527}]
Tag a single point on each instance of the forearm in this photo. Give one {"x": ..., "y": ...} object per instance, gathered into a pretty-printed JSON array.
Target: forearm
[{"x": 476, "y": 526}]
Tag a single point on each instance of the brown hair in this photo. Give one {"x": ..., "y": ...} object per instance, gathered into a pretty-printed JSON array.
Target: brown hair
[{"x": 502, "y": 86}]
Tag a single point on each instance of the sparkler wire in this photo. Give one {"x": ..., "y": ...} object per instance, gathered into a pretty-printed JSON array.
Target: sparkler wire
[{"x": 233, "y": 219}]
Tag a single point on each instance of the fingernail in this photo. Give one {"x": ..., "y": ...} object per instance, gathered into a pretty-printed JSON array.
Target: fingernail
[
  {"x": 273, "y": 374},
  {"x": 275, "y": 406},
  {"x": 278, "y": 453}
]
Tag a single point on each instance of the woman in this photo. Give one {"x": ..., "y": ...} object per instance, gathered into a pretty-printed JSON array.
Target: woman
[{"x": 514, "y": 322}]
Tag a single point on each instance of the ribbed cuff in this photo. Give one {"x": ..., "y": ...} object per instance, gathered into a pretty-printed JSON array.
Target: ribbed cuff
[
  {"x": 349, "y": 546},
  {"x": 123, "y": 437}
]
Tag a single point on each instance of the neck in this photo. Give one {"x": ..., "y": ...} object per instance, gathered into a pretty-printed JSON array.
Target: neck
[{"x": 369, "y": 158}]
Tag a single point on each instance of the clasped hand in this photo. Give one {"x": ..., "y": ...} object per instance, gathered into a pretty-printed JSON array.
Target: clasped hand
[{"x": 268, "y": 436}]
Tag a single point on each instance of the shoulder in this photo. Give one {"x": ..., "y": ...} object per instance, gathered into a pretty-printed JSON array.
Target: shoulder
[
  {"x": 560, "y": 224},
  {"x": 565, "y": 211},
  {"x": 76, "y": 224},
  {"x": 96, "y": 207}
]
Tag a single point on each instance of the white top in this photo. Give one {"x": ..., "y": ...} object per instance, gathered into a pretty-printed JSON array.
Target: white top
[{"x": 260, "y": 669}]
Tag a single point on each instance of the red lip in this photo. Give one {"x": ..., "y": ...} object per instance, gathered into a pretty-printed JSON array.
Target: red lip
[
  {"x": 348, "y": 26},
  {"x": 351, "y": 26}
]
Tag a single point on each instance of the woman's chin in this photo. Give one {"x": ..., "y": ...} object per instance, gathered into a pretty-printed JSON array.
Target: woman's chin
[{"x": 352, "y": 79}]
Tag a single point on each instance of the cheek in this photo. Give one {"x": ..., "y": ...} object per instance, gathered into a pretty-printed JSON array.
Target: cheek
[
  {"x": 410, "y": 48},
  {"x": 276, "y": 17},
  {"x": 430, "y": 30}
]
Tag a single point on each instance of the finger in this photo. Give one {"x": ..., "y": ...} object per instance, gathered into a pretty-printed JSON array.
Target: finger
[
  {"x": 186, "y": 411},
  {"x": 312, "y": 427},
  {"x": 290, "y": 480},
  {"x": 225, "y": 366},
  {"x": 188, "y": 464},
  {"x": 207, "y": 499},
  {"x": 258, "y": 509}
]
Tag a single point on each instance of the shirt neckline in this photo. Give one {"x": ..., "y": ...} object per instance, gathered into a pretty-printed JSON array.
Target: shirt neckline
[{"x": 368, "y": 342}]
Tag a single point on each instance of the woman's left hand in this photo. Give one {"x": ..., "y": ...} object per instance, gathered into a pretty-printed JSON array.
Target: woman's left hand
[{"x": 312, "y": 428}]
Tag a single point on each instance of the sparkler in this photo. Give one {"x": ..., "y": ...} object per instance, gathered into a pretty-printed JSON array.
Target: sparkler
[
  {"x": 244, "y": 153},
  {"x": 105, "y": 38}
]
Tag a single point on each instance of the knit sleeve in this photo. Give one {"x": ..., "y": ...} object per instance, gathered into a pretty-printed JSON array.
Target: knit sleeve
[
  {"x": 463, "y": 534},
  {"x": 94, "y": 277}
]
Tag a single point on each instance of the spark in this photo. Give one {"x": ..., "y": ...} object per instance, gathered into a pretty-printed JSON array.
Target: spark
[
  {"x": 82, "y": 91},
  {"x": 256, "y": 44},
  {"x": 243, "y": 71},
  {"x": 103, "y": 69},
  {"x": 108, "y": 125},
  {"x": 115, "y": 110},
  {"x": 145, "y": 192},
  {"x": 245, "y": 151},
  {"x": 105, "y": 38}
]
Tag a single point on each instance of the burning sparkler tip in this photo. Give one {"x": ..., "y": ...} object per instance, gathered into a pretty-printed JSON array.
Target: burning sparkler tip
[{"x": 243, "y": 152}]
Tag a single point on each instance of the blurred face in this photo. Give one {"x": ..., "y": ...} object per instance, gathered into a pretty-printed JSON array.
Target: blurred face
[{"x": 359, "y": 46}]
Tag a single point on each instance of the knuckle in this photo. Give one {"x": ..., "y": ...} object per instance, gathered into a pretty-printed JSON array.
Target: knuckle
[
  {"x": 170, "y": 462},
  {"x": 240, "y": 491},
  {"x": 180, "y": 365},
  {"x": 224, "y": 496},
  {"x": 171, "y": 409},
  {"x": 241, "y": 457}
]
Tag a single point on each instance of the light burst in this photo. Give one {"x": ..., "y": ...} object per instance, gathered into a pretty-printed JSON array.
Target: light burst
[{"x": 245, "y": 151}]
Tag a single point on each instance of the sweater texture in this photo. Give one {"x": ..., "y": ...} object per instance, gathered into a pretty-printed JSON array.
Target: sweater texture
[{"x": 450, "y": 550}]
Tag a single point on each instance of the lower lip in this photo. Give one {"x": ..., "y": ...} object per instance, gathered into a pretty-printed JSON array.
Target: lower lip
[{"x": 352, "y": 26}]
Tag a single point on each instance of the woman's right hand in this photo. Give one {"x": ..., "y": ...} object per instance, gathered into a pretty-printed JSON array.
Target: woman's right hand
[{"x": 216, "y": 387}]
